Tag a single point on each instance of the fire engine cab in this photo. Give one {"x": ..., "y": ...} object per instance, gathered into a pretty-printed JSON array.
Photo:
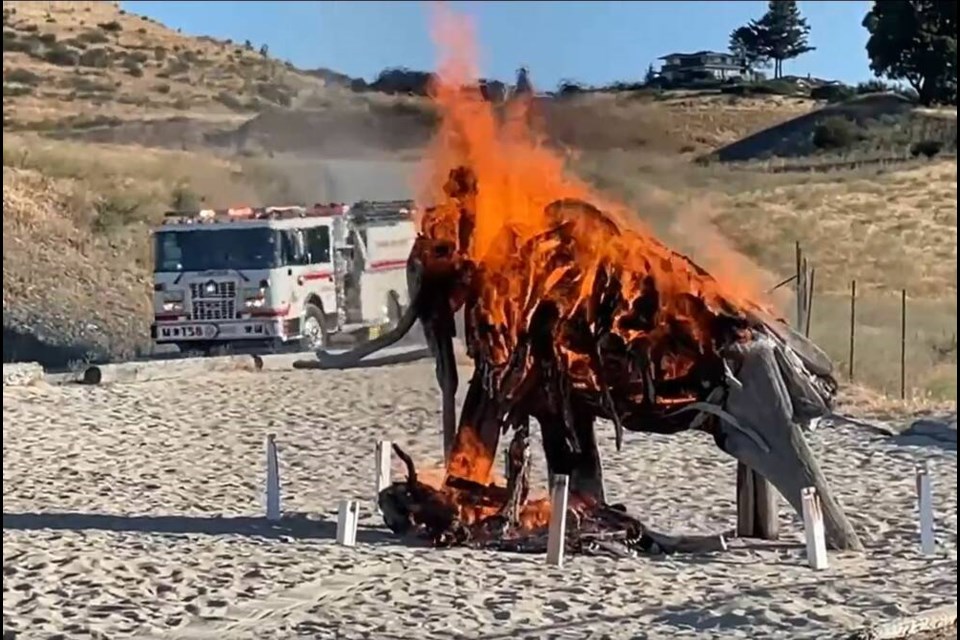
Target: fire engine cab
[{"x": 279, "y": 276}]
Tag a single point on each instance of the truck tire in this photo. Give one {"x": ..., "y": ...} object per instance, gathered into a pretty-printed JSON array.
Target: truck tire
[{"x": 314, "y": 330}]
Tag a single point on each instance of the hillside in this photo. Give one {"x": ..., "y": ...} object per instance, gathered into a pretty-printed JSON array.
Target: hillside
[{"x": 93, "y": 154}]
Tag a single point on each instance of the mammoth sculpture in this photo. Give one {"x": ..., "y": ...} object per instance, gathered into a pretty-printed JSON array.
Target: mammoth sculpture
[{"x": 586, "y": 319}]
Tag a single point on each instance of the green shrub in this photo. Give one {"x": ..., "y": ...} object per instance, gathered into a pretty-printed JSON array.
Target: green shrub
[
  {"x": 762, "y": 88},
  {"x": 28, "y": 46},
  {"x": 183, "y": 198},
  {"x": 12, "y": 91},
  {"x": 231, "y": 101},
  {"x": 928, "y": 148},
  {"x": 61, "y": 56},
  {"x": 836, "y": 132},
  {"x": 133, "y": 68},
  {"x": 832, "y": 92},
  {"x": 93, "y": 37},
  {"x": 23, "y": 76},
  {"x": 97, "y": 58}
]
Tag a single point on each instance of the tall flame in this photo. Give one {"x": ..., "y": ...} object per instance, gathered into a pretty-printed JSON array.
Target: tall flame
[{"x": 518, "y": 175}]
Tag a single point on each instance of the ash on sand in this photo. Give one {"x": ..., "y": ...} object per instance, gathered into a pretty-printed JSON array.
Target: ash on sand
[{"x": 131, "y": 512}]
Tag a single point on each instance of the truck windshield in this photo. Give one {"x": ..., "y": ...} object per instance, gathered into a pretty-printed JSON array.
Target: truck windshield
[{"x": 207, "y": 249}]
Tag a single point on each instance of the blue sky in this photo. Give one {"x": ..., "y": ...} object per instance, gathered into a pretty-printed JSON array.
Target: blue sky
[{"x": 591, "y": 42}]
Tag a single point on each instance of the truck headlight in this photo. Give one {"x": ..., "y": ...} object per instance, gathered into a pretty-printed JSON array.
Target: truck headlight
[
  {"x": 253, "y": 298},
  {"x": 172, "y": 301}
]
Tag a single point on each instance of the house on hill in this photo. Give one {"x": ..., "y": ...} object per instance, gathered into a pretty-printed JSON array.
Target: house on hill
[{"x": 679, "y": 68}]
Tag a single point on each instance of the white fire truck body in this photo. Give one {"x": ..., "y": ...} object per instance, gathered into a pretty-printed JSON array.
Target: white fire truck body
[{"x": 280, "y": 275}]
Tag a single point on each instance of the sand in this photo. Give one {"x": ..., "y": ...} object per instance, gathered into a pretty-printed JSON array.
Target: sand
[{"x": 134, "y": 511}]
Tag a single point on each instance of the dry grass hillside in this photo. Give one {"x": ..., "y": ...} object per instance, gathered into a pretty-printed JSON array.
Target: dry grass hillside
[
  {"x": 87, "y": 64},
  {"x": 89, "y": 69},
  {"x": 94, "y": 152}
]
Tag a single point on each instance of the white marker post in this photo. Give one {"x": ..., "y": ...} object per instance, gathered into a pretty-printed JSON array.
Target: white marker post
[
  {"x": 347, "y": 523},
  {"x": 384, "y": 452},
  {"x": 273, "y": 480},
  {"x": 557, "y": 533},
  {"x": 813, "y": 529},
  {"x": 925, "y": 503}
]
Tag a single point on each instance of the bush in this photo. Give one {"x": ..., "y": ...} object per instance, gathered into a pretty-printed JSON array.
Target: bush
[
  {"x": 23, "y": 76},
  {"x": 12, "y": 91},
  {"x": 230, "y": 101},
  {"x": 12, "y": 43},
  {"x": 278, "y": 94},
  {"x": 114, "y": 211},
  {"x": 183, "y": 198},
  {"x": 159, "y": 53},
  {"x": 97, "y": 58},
  {"x": 762, "y": 88},
  {"x": 133, "y": 69},
  {"x": 928, "y": 148},
  {"x": 832, "y": 92},
  {"x": 47, "y": 38},
  {"x": 110, "y": 27},
  {"x": 61, "y": 56},
  {"x": 874, "y": 86},
  {"x": 85, "y": 84},
  {"x": 162, "y": 88},
  {"x": 93, "y": 37},
  {"x": 836, "y": 132}
]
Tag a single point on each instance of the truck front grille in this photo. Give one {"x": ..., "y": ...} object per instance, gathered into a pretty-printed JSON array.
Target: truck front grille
[{"x": 213, "y": 300}]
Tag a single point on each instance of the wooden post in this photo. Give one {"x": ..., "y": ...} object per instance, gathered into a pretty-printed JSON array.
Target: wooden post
[
  {"x": 273, "y": 480},
  {"x": 925, "y": 508},
  {"x": 903, "y": 344},
  {"x": 806, "y": 326},
  {"x": 383, "y": 461},
  {"x": 813, "y": 529},
  {"x": 801, "y": 284},
  {"x": 853, "y": 323},
  {"x": 347, "y": 518},
  {"x": 557, "y": 533},
  {"x": 757, "y": 505}
]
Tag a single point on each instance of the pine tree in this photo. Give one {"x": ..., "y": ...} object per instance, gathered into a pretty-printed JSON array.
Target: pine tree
[{"x": 781, "y": 34}]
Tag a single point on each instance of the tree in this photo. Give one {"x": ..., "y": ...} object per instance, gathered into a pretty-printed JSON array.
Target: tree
[
  {"x": 651, "y": 76},
  {"x": 264, "y": 50},
  {"x": 780, "y": 34},
  {"x": 915, "y": 41},
  {"x": 745, "y": 44}
]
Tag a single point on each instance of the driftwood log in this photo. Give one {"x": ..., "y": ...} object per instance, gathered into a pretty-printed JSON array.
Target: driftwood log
[{"x": 585, "y": 320}]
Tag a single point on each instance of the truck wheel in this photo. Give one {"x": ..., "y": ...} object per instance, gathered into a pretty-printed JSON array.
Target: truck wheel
[{"x": 314, "y": 330}]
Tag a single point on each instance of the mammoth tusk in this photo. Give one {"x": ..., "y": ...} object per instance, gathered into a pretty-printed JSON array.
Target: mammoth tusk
[{"x": 706, "y": 407}]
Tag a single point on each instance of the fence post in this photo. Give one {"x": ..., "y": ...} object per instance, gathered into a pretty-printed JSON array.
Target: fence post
[
  {"x": 853, "y": 324},
  {"x": 903, "y": 344}
]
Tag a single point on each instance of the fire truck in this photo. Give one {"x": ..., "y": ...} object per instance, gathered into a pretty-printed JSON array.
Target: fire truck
[{"x": 271, "y": 278}]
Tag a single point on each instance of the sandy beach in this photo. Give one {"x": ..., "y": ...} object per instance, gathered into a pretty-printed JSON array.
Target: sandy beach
[{"x": 134, "y": 511}]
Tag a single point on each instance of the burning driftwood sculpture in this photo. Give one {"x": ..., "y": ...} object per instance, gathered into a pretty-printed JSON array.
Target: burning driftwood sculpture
[
  {"x": 586, "y": 319},
  {"x": 570, "y": 315}
]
